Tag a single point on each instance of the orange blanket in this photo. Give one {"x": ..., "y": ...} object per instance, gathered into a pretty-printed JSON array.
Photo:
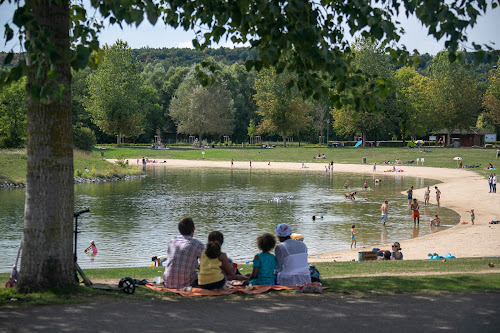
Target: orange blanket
[{"x": 217, "y": 292}]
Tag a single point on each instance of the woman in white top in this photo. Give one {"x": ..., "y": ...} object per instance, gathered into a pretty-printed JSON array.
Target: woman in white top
[{"x": 291, "y": 258}]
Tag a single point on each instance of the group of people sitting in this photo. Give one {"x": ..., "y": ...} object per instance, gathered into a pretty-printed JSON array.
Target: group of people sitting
[{"x": 186, "y": 255}]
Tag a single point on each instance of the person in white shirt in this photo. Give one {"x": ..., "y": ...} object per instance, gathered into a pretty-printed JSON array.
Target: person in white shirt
[{"x": 291, "y": 258}]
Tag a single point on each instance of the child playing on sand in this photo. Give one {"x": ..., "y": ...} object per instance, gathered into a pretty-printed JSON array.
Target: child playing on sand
[
  {"x": 264, "y": 263},
  {"x": 353, "y": 236},
  {"x": 91, "y": 247},
  {"x": 472, "y": 215}
]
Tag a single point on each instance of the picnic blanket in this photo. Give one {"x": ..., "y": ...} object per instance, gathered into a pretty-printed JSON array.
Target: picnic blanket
[{"x": 218, "y": 292}]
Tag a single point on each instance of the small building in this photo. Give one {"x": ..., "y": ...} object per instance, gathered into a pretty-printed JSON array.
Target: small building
[{"x": 465, "y": 137}]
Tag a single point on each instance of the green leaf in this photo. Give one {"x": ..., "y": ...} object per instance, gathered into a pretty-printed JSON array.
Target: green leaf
[
  {"x": 8, "y": 58},
  {"x": 8, "y": 33}
]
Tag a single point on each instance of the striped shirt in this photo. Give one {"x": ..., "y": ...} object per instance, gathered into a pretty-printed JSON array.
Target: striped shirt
[{"x": 182, "y": 261}]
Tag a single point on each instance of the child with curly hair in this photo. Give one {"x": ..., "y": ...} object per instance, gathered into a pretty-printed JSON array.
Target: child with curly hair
[{"x": 264, "y": 263}]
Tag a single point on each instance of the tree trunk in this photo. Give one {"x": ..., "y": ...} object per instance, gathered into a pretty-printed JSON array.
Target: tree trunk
[
  {"x": 284, "y": 140},
  {"x": 118, "y": 140},
  {"x": 47, "y": 259},
  {"x": 363, "y": 137}
]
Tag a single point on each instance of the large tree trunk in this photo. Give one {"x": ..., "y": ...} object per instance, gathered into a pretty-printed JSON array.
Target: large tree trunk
[
  {"x": 47, "y": 259},
  {"x": 284, "y": 141}
]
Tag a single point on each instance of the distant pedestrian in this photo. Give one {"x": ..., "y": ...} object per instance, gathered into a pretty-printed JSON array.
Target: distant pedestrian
[
  {"x": 250, "y": 164},
  {"x": 494, "y": 183},
  {"x": 472, "y": 215},
  {"x": 375, "y": 167},
  {"x": 410, "y": 195},
  {"x": 415, "y": 211},
  {"x": 384, "y": 211},
  {"x": 426, "y": 196},
  {"x": 232, "y": 161},
  {"x": 490, "y": 182},
  {"x": 438, "y": 195},
  {"x": 353, "y": 236}
]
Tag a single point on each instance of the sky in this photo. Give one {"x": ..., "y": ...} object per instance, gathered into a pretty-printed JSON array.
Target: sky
[{"x": 487, "y": 30}]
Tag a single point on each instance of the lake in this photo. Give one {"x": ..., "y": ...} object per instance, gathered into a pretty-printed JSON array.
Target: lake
[{"x": 130, "y": 221}]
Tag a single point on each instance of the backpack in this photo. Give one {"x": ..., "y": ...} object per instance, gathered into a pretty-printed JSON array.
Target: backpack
[{"x": 314, "y": 274}]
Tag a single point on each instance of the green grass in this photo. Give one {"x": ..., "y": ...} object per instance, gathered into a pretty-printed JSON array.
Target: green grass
[
  {"x": 13, "y": 166},
  {"x": 404, "y": 277},
  {"x": 439, "y": 157},
  {"x": 13, "y": 162}
]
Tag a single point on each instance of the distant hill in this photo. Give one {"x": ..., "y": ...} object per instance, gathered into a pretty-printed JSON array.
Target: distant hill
[{"x": 177, "y": 57}]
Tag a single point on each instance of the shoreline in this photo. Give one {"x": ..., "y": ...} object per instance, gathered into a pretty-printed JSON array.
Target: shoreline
[{"x": 461, "y": 189}]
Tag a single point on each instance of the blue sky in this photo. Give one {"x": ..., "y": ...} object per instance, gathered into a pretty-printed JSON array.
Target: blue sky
[{"x": 486, "y": 31}]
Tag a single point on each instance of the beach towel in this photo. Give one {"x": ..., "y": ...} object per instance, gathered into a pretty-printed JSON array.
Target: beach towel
[{"x": 219, "y": 292}]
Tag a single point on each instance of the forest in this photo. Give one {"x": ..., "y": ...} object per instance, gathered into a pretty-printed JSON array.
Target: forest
[{"x": 145, "y": 95}]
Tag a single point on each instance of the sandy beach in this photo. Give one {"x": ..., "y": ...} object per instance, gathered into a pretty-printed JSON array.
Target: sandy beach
[{"x": 461, "y": 190}]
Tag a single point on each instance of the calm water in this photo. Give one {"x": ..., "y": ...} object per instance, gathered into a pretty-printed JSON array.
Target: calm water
[{"x": 130, "y": 221}]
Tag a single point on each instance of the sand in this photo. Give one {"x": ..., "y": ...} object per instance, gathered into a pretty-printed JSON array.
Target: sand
[{"x": 461, "y": 190}]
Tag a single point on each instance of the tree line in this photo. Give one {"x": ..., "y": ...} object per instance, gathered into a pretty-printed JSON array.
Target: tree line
[{"x": 126, "y": 98}]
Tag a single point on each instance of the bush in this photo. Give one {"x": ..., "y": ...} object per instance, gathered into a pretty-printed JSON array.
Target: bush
[{"x": 84, "y": 138}]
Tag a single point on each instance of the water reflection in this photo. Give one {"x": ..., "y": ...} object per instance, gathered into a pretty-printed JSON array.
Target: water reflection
[{"x": 131, "y": 221}]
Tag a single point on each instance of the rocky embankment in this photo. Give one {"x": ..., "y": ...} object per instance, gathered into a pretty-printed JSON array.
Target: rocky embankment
[{"x": 79, "y": 180}]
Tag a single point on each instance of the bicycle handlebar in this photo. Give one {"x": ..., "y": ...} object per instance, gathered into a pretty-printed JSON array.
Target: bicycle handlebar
[{"x": 75, "y": 214}]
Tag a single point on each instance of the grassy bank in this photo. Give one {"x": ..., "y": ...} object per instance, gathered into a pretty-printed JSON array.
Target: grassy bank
[
  {"x": 438, "y": 157},
  {"x": 410, "y": 276},
  {"x": 13, "y": 166}
]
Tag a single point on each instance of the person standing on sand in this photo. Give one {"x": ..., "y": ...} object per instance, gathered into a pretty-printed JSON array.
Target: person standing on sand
[
  {"x": 426, "y": 196},
  {"x": 490, "y": 182},
  {"x": 414, "y": 212},
  {"x": 494, "y": 182},
  {"x": 232, "y": 162},
  {"x": 438, "y": 195},
  {"x": 410, "y": 195},
  {"x": 375, "y": 167},
  {"x": 383, "y": 211}
]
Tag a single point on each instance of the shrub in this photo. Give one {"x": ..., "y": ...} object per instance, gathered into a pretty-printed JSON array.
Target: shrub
[{"x": 84, "y": 138}]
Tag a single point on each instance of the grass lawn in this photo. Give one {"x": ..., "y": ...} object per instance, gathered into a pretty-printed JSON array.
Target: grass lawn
[
  {"x": 13, "y": 162},
  {"x": 438, "y": 157},
  {"x": 13, "y": 166},
  {"x": 410, "y": 276}
]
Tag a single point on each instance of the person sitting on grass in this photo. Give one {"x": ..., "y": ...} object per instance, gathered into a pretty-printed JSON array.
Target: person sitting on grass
[
  {"x": 395, "y": 253},
  {"x": 214, "y": 267},
  {"x": 264, "y": 263},
  {"x": 291, "y": 258},
  {"x": 182, "y": 257}
]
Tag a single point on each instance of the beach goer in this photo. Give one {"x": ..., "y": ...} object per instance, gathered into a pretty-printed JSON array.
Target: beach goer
[
  {"x": 494, "y": 182},
  {"x": 353, "y": 236},
  {"x": 395, "y": 253},
  {"x": 375, "y": 167},
  {"x": 415, "y": 211},
  {"x": 387, "y": 255},
  {"x": 436, "y": 221},
  {"x": 350, "y": 195},
  {"x": 490, "y": 182},
  {"x": 264, "y": 263},
  {"x": 91, "y": 247},
  {"x": 383, "y": 211},
  {"x": 143, "y": 161},
  {"x": 214, "y": 267},
  {"x": 498, "y": 152},
  {"x": 377, "y": 181},
  {"x": 158, "y": 261},
  {"x": 346, "y": 184},
  {"x": 438, "y": 194},
  {"x": 472, "y": 216},
  {"x": 410, "y": 195},
  {"x": 183, "y": 254},
  {"x": 365, "y": 185},
  {"x": 426, "y": 196},
  {"x": 291, "y": 258},
  {"x": 232, "y": 161}
]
